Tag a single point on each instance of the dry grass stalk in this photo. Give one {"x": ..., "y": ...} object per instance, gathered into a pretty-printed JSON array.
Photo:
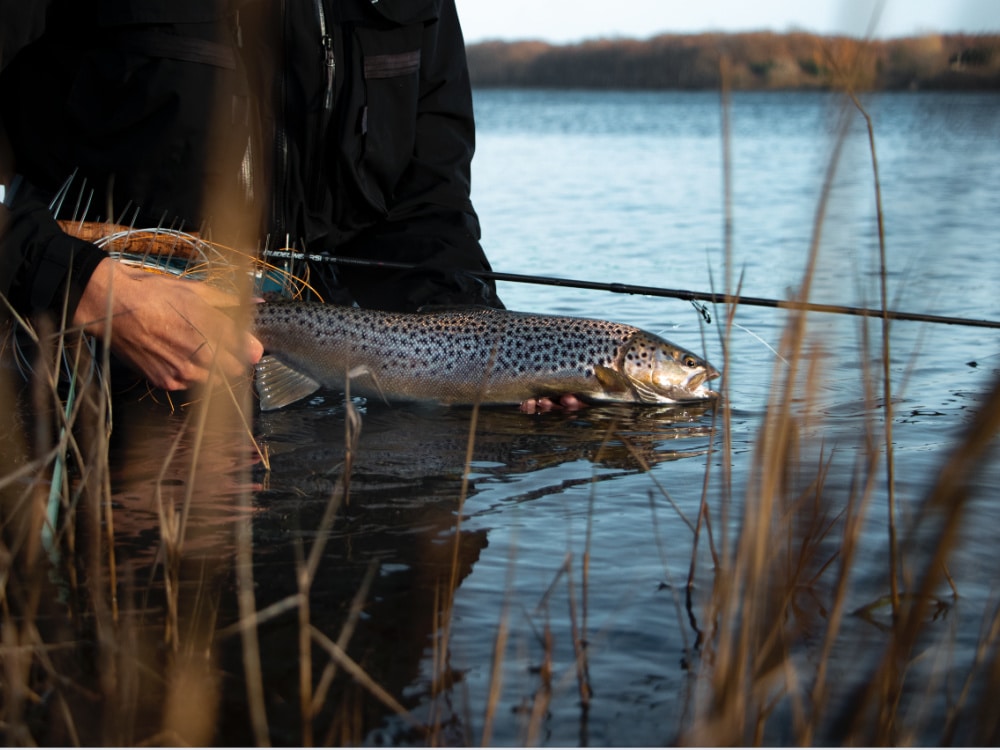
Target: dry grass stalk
[
  {"x": 890, "y": 462},
  {"x": 248, "y": 633},
  {"x": 943, "y": 510},
  {"x": 307, "y": 569},
  {"x": 121, "y": 656},
  {"x": 498, "y": 656},
  {"x": 354, "y": 615},
  {"x": 749, "y": 667},
  {"x": 543, "y": 695},
  {"x": 749, "y": 664},
  {"x": 756, "y": 582}
]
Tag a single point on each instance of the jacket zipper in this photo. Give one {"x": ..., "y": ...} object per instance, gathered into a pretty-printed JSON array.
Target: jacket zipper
[
  {"x": 280, "y": 137},
  {"x": 329, "y": 59},
  {"x": 329, "y": 63}
]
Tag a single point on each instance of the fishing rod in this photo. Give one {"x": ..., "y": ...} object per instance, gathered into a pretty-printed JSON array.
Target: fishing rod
[{"x": 651, "y": 291}]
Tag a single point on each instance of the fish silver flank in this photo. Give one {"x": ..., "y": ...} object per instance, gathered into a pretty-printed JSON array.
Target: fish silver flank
[{"x": 468, "y": 356}]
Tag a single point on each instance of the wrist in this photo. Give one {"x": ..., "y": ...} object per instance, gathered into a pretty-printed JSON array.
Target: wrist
[{"x": 92, "y": 306}]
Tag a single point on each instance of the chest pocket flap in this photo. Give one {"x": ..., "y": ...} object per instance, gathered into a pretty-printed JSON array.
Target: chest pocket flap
[{"x": 407, "y": 11}]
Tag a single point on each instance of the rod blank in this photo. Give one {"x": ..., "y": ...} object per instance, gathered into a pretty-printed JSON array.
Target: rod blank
[{"x": 652, "y": 291}]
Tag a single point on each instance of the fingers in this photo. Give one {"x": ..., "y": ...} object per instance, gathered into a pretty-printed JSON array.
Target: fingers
[
  {"x": 534, "y": 405},
  {"x": 177, "y": 369},
  {"x": 217, "y": 349},
  {"x": 233, "y": 349},
  {"x": 223, "y": 360},
  {"x": 566, "y": 402},
  {"x": 170, "y": 330}
]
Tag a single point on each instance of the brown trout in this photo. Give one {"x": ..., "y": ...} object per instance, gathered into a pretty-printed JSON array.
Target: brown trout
[{"x": 468, "y": 356}]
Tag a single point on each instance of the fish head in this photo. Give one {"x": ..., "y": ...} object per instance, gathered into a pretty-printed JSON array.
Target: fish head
[{"x": 659, "y": 372}]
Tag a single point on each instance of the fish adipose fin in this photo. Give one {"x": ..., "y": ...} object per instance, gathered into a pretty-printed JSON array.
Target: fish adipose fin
[{"x": 279, "y": 385}]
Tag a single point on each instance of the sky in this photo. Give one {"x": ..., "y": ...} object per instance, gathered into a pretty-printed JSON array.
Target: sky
[{"x": 562, "y": 21}]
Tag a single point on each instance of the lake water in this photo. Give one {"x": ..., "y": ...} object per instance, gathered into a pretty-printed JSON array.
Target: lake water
[{"x": 581, "y": 523}]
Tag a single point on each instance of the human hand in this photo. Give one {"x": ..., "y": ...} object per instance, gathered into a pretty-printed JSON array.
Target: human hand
[
  {"x": 567, "y": 401},
  {"x": 170, "y": 330}
]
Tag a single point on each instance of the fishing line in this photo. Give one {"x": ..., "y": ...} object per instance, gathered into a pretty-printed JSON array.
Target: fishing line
[
  {"x": 754, "y": 335},
  {"x": 652, "y": 291}
]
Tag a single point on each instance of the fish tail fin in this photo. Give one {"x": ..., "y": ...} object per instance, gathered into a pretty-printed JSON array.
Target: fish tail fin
[{"x": 279, "y": 385}]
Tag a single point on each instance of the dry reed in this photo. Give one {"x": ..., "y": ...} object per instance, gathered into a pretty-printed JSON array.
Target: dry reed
[
  {"x": 81, "y": 663},
  {"x": 747, "y": 671}
]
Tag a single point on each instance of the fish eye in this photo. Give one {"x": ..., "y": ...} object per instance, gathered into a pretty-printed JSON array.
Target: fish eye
[{"x": 690, "y": 361}]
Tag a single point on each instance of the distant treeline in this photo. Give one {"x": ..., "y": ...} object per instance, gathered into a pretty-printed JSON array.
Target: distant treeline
[{"x": 760, "y": 60}]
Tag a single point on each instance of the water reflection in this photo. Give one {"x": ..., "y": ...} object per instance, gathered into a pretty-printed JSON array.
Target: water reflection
[
  {"x": 418, "y": 442},
  {"x": 405, "y": 489}
]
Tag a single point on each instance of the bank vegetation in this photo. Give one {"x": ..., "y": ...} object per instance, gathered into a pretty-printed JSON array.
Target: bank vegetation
[{"x": 752, "y": 61}]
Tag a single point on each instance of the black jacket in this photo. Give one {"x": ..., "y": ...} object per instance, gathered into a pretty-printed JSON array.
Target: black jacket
[{"x": 343, "y": 126}]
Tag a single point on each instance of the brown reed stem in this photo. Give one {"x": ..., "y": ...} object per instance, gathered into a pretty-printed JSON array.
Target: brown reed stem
[
  {"x": 445, "y": 603},
  {"x": 253, "y": 673},
  {"x": 499, "y": 652},
  {"x": 305, "y": 660},
  {"x": 307, "y": 569},
  {"x": 749, "y": 617},
  {"x": 354, "y": 615},
  {"x": 987, "y": 643},
  {"x": 579, "y": 646},
  {"x": 361, "y": 677},
  {"x": 944, "y": 505},
  {"x": 543, "y": 696},
  {"x": 890, "y": 461}
]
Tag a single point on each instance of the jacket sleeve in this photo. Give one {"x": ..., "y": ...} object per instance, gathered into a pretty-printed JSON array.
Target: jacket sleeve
[
  {"x": 431, "y": 221},
  {"x": 41, "y": 267}
]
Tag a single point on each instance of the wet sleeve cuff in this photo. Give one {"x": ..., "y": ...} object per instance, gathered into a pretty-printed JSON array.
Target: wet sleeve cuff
[
  {"x": 45, "y": 268},
  {"x": 84, "y": 258}
]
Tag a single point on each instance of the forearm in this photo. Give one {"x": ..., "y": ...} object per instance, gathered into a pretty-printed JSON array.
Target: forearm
[{"x": 169, "y": 330}]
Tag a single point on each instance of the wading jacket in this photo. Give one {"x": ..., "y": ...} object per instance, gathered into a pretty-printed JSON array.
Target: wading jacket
[{"x": 336, "y": 126}]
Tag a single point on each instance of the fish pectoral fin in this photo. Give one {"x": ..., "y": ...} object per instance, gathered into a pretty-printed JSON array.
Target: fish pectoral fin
[
  {"x": 613, "y": 382},
  {"x": 279, "y": 385}
]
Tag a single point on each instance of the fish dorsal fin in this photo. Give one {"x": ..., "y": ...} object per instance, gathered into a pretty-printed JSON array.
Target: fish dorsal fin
[
  {"x": 613, "y": 381},
  {"x": 279, "y": 385}
]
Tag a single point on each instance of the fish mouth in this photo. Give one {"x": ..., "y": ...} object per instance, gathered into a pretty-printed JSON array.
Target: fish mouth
[
  {"x": 693, "y": 389},
  {"x": 698, "y": 383}
]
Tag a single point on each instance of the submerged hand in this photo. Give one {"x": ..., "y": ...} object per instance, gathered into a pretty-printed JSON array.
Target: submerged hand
[
  {"x": 170, "y": 330},
  {"x": 568, "y": 402}
]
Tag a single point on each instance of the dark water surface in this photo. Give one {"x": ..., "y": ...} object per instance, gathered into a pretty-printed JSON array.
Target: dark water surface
[{"x": 582, "y": 523}]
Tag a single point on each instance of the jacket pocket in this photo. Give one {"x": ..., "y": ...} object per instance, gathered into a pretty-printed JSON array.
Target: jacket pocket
[
  {"x": 392, "y": 65},
  {"x": 408, "y": 11},
  {"x": 387, "y": 123}
]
